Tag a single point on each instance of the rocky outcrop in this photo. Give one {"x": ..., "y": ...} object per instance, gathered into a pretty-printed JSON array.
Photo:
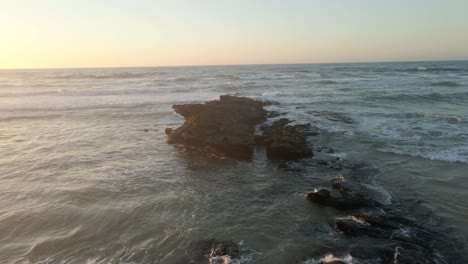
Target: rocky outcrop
[
  {"x": 400, "y": 233},
  {"x": 343, "y": 195},
  {"x": 407, "y": 241},
  {"x": 225, "y": 127},
  {"x": 286, "y": 142}
]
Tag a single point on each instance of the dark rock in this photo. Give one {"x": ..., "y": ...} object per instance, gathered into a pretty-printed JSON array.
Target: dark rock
[
  {"x": 286, "y": 142},
  {"x": 410, "y": 242},
  {"x": 343, "y": 195},
  {"x": 358, "y": 226},
  {"x": 224, "y": 127},
  {"x": 202, "y": 249},
  {"x": 146, "y": 130},
  {"x": 338, "y": 199}
]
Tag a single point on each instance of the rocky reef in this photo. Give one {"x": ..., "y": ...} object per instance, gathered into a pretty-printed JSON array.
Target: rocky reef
[
  {"x": 225, "y": 127},
  {"x": 402, "y": 236}
]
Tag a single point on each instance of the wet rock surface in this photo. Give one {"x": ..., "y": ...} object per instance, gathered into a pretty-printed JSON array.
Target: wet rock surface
[
  {"x": 408, "y": 242},
  {"x": 343, "y": 195},
  {"x": 286, "y": 142},
  {"x": 394, "y": 232},
  {"x": 225, "y": 127}
]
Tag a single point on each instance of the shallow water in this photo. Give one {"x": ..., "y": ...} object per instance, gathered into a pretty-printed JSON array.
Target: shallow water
[{"x": 81, "y": 180}]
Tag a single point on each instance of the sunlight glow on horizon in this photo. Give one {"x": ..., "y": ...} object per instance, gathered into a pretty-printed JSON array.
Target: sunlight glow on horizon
[{"x": 124, "y": 33}]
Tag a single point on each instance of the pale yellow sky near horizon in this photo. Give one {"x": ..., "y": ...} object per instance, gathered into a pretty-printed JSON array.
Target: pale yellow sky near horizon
[{"x": 66, "y": 34}]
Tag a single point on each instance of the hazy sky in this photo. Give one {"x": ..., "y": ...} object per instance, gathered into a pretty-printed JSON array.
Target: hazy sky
[{"x": 97, "y": 33}]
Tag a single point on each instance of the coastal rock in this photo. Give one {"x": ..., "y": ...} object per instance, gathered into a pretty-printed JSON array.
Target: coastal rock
[
  {"x": 343, "y": 195},
  {"x": 409, "y": 242},
  {"x": 286, "y": 142},
  {"x": 338, "y": 199},
  {"x": 225, "y": 127}
]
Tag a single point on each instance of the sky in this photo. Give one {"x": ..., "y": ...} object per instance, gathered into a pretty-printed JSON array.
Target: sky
[{"x": 127, "y": 33}]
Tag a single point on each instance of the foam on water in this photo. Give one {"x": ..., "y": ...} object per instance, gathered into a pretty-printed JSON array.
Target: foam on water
[
  {"x": 453, "y": 154},
  {"x": 329, "y": 258}
]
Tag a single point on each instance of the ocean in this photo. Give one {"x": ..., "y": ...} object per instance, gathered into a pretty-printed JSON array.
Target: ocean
[{"x": 86, "y": 175}]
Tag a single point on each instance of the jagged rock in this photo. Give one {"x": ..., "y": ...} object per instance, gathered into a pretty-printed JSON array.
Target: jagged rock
[
  {"x": 339, "y": 199},
  {"x": 286, "y": 142},
  {"x": 224, "y": 127}
]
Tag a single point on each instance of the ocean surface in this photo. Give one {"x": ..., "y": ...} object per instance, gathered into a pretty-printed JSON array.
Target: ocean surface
[{"x": 86, "y": 175}]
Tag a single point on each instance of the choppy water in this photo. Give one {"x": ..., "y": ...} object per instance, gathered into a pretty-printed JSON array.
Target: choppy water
[{"x": 81, "y": 180}]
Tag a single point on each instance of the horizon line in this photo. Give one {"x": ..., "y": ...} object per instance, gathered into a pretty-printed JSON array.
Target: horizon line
[{"x": 240, "y": 64}]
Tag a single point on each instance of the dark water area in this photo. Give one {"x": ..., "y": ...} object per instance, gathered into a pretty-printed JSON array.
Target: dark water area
[{"x": 86, "y": 175}]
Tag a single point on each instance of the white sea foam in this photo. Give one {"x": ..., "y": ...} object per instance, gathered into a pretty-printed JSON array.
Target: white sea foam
[
  {"x": 453, "y": 154},
  {"x": 354, "y": 219},
  {"x": 348, "y": 259}
]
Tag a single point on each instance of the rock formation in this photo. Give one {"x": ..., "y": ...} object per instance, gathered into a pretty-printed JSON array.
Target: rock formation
[
  {"x": 225, "y": 127},
  {"x": 286, "y": 142}
]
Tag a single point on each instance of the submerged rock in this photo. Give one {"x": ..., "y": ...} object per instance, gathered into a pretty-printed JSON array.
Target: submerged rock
[
  {"x": 224, "y": 127},
  {"x": 286, "y": 142},
  {"x": 409, "y": 242}
]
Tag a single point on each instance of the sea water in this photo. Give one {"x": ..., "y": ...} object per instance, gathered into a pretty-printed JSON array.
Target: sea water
[{"x": 86, "y": 175}]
